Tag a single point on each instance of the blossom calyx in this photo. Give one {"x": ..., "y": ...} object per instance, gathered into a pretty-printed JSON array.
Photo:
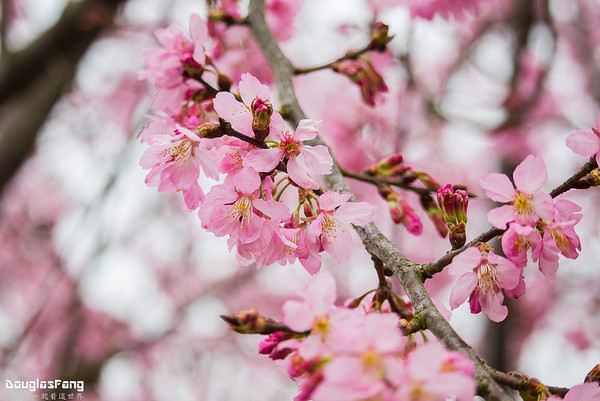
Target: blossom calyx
[
  {"x": 379, "y": 37},
  {"x": 589, "y": 180},
  {"x": 593, "y": 375},
  {"x": 210, "y": 130},
  {"x": 458, "y": 235},
  {"x": 262, "y": 110}
]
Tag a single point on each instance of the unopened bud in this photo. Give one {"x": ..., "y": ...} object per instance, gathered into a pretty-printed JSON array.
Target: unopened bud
[
  {"x": 453, "y": 205},
  {"x": 427, "y": 180},
  {"x": 246, "y": 322},
  {"x": 210, "y": 130},
  {"x": 589, "y": 180},
  {"x": 362, "y": 73},
  {"x": 458, "y": 235},
  {"x": 594, "y": 375},
  {"x": 402, "y": 213},
  {"x": 262, "y": 110},
  {"x": 379, "y": 37}
]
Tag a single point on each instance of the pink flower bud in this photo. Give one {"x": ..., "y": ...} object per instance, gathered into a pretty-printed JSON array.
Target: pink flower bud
[
  {"x": 262, "y": 110},
  {"x": 380, "y": 37},
  {"x": 362, "y": 73}
]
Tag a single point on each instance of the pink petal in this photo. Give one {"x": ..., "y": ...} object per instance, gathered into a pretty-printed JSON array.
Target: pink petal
[
  {"x": 497, "y": 187},
  {"x": 462, "y": 289},
  {"x": 318, "y": 159},
  {"x": 247, "y": 180},
  {"x": 465, "y": 261},
  {"x": 299, "y": 174},
  {"x": 321, "y": 293},
  {"x": 491, "y": 305},
  {"x": 198, "y": 32},
  {"x": 297, "y": 316},
  {"x": 229, "y": 109},
  {"x": 359, "y": 213},
  {"x": 264, "y": 160},
  {"x": 306, "y": 129},
  {"x": 500, "y": 216},
  {"x": 340, "y": 246},
  {"x": 584, "y": 143},
  {"x": 331, "y": 199},
  {"x": 544, "y": 206},
  {"x": 275, "y": 210},
  {"x": 251, "y": 88},
  {"x": 531, "y": 174}
]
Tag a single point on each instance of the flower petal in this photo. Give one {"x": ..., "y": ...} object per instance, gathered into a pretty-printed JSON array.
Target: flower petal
[
  {"x": 500, "y": 216},
  {"x": 497, "y": 187},
  {"x": 584, "y": 143},
  {"x": 462, "y": 289},
  {"x": 531, "y": 174}
]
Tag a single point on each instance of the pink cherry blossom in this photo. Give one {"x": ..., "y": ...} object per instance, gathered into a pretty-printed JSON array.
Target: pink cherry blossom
[
  {"x": 586, "y": 143},
  {"x": 433, "y": 373},
  {"x": 331, "y": 228},
  {"x": 303, "y": 162},
  {"x": 313, "y": 311},
  {"x": 525, "y": 207},
  {"x": 483, "y": 276},
  {"x": 167, "y": 64},
  {"x": 174, "y": 161},
  {"x": 427, "y": 9},
  {"x": 517, "y": 240},
  {"x": 363, "y": 347},
  {"x": 237, "y": 208}
]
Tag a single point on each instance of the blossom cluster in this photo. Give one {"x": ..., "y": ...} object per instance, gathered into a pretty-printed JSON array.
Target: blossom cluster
[
  {"x": 240, "y": 139},
  {"x": 533, "y": 221},
  {"x": 340, "y": 353}
]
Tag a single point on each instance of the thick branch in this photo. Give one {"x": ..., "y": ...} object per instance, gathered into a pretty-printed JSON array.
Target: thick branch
[{"x": 375, "y": 242}]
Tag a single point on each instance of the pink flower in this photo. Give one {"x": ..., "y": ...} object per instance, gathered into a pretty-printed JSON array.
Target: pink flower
[
  {"x": 433, "y": 373},
  {"x": 586, "y": 143},
  {"x": 331, "y": 228},
  {"x": 517, "y": 240},
  {"x": 169, "y": 64},
  {"x": 303, "y": 162},
  {"x": 174, "y": 161},
  {"x": 312, "y": 313},
  {"x": 525, "y": 208},
  {"x": 237, "y": 208},
  {"x": 483, "y": 276},
  {"x": 362, "y": 349}
]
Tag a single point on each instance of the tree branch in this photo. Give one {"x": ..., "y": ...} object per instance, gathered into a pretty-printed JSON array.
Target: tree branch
[{"x": 375, "y": 242}]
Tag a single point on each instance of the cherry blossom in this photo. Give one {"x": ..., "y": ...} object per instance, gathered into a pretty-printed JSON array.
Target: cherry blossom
[
  {"x": 525, "y": 207},
  {"x": 303, "y": 162},
  {"x": 483, "y": 276},
  {"x": 331, "y": 227}
]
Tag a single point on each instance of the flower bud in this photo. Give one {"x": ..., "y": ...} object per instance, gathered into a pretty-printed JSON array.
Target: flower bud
[
  {"x": 402, "y": 213},
  {"x": 379, "y": 37},
  {"x": 589, "y": 180},
  {"x": 246, "y": 322},
  {"x": 458, "y": 235},
  {"x": 262, "y": 110},
  {"x": 453, "y": 204},
  {"x": 362, "y": 73},
  {"x": 210, "y": 130}
]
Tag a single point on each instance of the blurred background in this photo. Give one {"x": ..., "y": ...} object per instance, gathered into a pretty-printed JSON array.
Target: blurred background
[{"x": 104, "y": 280}]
